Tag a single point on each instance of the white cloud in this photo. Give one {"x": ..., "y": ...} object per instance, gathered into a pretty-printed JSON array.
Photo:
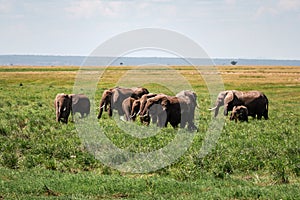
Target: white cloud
[
  {"x": 230, "y": 2},
  {"x": 289, "y": 5},
  {"x": 140, "y": 12},
  {"x": 6, "y": 6},
  {"x": 265, "y": 10},
  {"x": 279, "y": 8},
  {"x": 88, "y": 9}
]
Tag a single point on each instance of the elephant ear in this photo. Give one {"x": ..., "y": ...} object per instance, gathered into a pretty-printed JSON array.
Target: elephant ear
[
  {"x": 66, "y": 97},
  {"x": 164, "y": 102},
  {"x": 75, "y": 98},
  {"x": 193, "y": 98},
  {"x": 106, "y": 94},
  {"x": 228, "y": 97},
  {"x": 115, "y": 95}
]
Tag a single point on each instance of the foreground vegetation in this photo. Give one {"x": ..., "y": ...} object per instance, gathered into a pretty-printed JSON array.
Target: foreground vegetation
[{"x": 41, "y": 158}]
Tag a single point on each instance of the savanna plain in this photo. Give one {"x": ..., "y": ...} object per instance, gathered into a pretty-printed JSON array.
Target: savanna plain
[{"x": 43, "y": 159}]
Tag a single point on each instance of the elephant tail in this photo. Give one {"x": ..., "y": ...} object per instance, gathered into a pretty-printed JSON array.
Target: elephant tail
[
  {"x": 56, "y": 103},
  {"x": 266, "y": 115}
]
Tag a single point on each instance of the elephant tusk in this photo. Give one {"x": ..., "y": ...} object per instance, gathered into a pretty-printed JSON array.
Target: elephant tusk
[
  {"x": 138, "y": 112},
  {"x": 102, "y": 106},
  {"x": 145, "y": 115},
  {"x": 131, "y": 116},
  {"x": 213, "y": 108}
]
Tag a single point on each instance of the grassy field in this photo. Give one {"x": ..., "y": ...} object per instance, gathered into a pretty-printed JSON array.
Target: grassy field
[{"x": 40, "y": 158}]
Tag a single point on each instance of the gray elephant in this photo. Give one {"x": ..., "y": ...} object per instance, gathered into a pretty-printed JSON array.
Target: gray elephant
[
  {"x": 127, "y": 107},
  {"x": 239, "y": 113},
  {"x": 188, "y": 114},
  {"x": 112, "y": 99},
  {"x": 63, "y": 106},
  {"x": 256, "y": 102},
  {"x": 80, "y": 104}
]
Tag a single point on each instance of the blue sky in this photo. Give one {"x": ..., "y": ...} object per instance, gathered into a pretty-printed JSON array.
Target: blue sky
[{"x": 224, "y": 28}]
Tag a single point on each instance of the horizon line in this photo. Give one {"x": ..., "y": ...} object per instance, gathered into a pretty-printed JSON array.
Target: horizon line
[{"x": 168, "y": 57}]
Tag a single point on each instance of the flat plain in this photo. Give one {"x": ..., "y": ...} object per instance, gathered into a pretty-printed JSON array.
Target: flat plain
[{"x": 40, "y": 158}]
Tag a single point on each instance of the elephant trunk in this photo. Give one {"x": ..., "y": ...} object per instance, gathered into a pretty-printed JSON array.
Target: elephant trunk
[
  {"x": 102, "y": 105},
  {"x": 217, "y": 111},
  {"x": 225, "y": 110}
]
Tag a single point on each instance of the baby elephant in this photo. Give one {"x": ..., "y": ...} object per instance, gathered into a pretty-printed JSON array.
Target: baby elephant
[{"x": 239, "y": 113}]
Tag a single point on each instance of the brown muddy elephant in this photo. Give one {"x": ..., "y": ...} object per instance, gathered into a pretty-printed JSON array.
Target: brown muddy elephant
[
  {"x": 105, "y": 102},
  {"x": 80, "y": 104},
  {"x": 161, "y": 116},
  {"x": 239, "y": 113},
  {"x": 63, "y": 106},
  {"x": 256, "y": 102},
  {"x": 139, "y": 104},
  {"x": 112, "y": 99},
  {"x": 175, "y": 109}
]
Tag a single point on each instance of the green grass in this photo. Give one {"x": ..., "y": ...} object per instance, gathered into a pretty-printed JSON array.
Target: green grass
[
  {"x": 40, "y": 158},
  {"x": 39, "y": 184}
]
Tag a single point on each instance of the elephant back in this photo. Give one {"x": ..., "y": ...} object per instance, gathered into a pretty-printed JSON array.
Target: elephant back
[
  {"x": 80, "y": 103},
  {"x": 76, "y": 98}
]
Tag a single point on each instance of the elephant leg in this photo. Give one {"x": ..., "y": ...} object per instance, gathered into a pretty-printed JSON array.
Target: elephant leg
[
  {"x": 191, "y": 126},
  {"x": 127, "y": 116},
  {"x": 160, "y": 124},
  {"x": 57, "y": 117},
  {"x": 64, "y": 121},
  {"x": 225, "y": 111},
  {"x": 110, "y": 112},
  {"x": 174, "y": 125},
  {"x": 132, "y": 118},
  {"x": 81, "y": 115},
  {"x": 162, "y": 120},
  {"x": 259, "y": 116},
  {"x": 72, "y": 116},
  {"x": 154, "y": 119},
  {"x": 253, "y": 116},
  {"x": 100, "y": 114},
  {"x": 265, "y": 114},
  {"x": 145, "y": 120},
  {"x": 183, "y": 122}
]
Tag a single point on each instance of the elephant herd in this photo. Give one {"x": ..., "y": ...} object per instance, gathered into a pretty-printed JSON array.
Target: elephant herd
[
  {"x": 242, "y": 104},
  {"x": 161, "y": 109}
]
